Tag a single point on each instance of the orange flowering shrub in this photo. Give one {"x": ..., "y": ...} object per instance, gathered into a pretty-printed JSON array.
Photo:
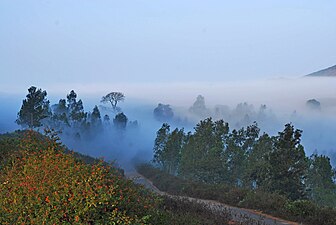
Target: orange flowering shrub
[{"x": 43, "y": 185}]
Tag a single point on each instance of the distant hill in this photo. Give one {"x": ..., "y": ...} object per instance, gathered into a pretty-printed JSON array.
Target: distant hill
[{"x": 328, "y": 72}]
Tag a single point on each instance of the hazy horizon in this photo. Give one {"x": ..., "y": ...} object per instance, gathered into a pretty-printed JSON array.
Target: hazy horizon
[{"x": 84, "y": 42}]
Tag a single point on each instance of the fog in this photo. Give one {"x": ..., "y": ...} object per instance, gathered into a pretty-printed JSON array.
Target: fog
[{"x": 271, "y": 103}]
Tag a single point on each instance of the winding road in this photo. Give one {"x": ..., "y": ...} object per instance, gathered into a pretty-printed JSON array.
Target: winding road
[{"x": 239, "y": 215}]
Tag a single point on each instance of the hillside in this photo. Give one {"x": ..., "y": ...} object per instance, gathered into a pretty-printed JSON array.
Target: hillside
[
  {"x": 42, "y": 182},
  {"x": 328, "y": 72}
]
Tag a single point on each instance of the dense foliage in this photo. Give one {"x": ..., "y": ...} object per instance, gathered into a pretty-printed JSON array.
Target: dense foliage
[
  {"x": 303, "y": 211},
  {"x": 42, "y": 182},
  {"x": 34, "y": 108},
  {"x": 244, "y": 158}
]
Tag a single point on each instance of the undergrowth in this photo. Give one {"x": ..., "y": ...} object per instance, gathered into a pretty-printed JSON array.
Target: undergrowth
[{"x": 303, "y": 211}]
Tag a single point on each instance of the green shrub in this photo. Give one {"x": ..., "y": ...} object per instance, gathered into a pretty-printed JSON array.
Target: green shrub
[
  {"x": 8, "y": 144},
  {"x": 304, "y": 211},
  {"x": 309, "y": 213},
  {"x": 325, "y": 197},
  {"x": 43, "y": 185},
  {"x": 178, "y": 186},
  {"x": 176, "y": 211},
  {"x": 326, "y": 216},
  {"x": 267, "y": 202}
]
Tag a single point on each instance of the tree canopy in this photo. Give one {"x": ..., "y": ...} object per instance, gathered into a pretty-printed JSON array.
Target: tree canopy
[
  {"x": 113, "y": 98},
  {"x": 34, "y": 108},
  {"x": 163, "y": 113},
  {"x": 120, "y": 121},
  {"x": 213, "y": 154}
]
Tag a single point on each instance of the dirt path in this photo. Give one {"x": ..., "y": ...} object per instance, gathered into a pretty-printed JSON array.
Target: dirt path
[{"x": 238, "y": 214}]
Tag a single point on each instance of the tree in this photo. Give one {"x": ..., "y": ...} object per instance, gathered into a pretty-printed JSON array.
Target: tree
[
  {"x": 258, "y": 164},
  {"x": 163, "y": 113},
  {"x": 201, "y": 154},
  {"x": 320, "y": 183},
  {"x": 171, "y": 152},
  {"x": 34, "y": 109},
  {"x": 95, "y": 119},
  {"x": 313, "y": 104},
  {"x": 234, "y": 157},
  {"x": 199, "y": 108},
  {"x": 120, "y": 121},
  {"x": 288, "y": 164},
  {"x": 71, "y": 99},
  {"x": 160, "y": 142},
  {"x": 320, "y": 172},
  {"x": 95, "y": 115},
  {"x": 75, "y": 109},
  {"x": 106, "y": 120},
  {"x": 61, "y": 107},
  {"x": 60, "y": 114},
  {"x": 113, "y": 98}
]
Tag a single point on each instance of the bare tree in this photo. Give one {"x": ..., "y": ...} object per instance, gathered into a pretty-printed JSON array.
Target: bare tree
[{"x": 113, "y": 98}]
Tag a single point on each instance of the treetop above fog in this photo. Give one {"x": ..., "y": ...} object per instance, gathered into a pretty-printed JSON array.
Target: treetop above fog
[
  {"x": 113, "y": 98},
  {"x": 34, "y": 108}
]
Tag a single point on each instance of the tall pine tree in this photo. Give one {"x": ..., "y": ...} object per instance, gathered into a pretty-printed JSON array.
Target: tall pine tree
[{"x": 35, "y": 108}]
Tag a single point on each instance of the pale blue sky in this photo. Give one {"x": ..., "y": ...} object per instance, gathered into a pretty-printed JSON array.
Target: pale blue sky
[{"x": 93, "y": 41}]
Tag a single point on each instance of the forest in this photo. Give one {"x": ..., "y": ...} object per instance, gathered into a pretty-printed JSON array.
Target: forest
[
  {"x": 244, "y": 158},
  {"x": 269, "y": 173}
]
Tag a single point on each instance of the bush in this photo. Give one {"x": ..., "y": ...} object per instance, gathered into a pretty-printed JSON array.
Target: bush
[
  {"x": 325, "y": 197},
  {"x": 178, "y": 186},
  {"x": 8, "y": 144},
  {"x": 179, "y": 211},
  {"x": 44, "y": 185},
  {"x": 308, "y": 212},
  {"x": 267, "y": 202},
  {"x": 301, "y": 210},
  {"x": 326, "y": 216}
]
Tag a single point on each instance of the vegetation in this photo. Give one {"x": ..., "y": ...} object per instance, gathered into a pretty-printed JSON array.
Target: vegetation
[
  {"x": 304, "y": 211},
  {"x": 313, "y": 104},
  {"x": 120, "y": 121},
  {"x": 41, "y": 182},
  {"x": 239, "y": 167},
  {"x": 113, "y": 98},
  {"x": 68, "y": 116},
  {"x": 199, "y": 108},
  {"x": 34, "y": 109},
  {"x": 255, "y": 169},
  {"x": 183, "y": 211},
  {"x": 243, "y": 158},
  {"x": 163, "y": 113}
]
